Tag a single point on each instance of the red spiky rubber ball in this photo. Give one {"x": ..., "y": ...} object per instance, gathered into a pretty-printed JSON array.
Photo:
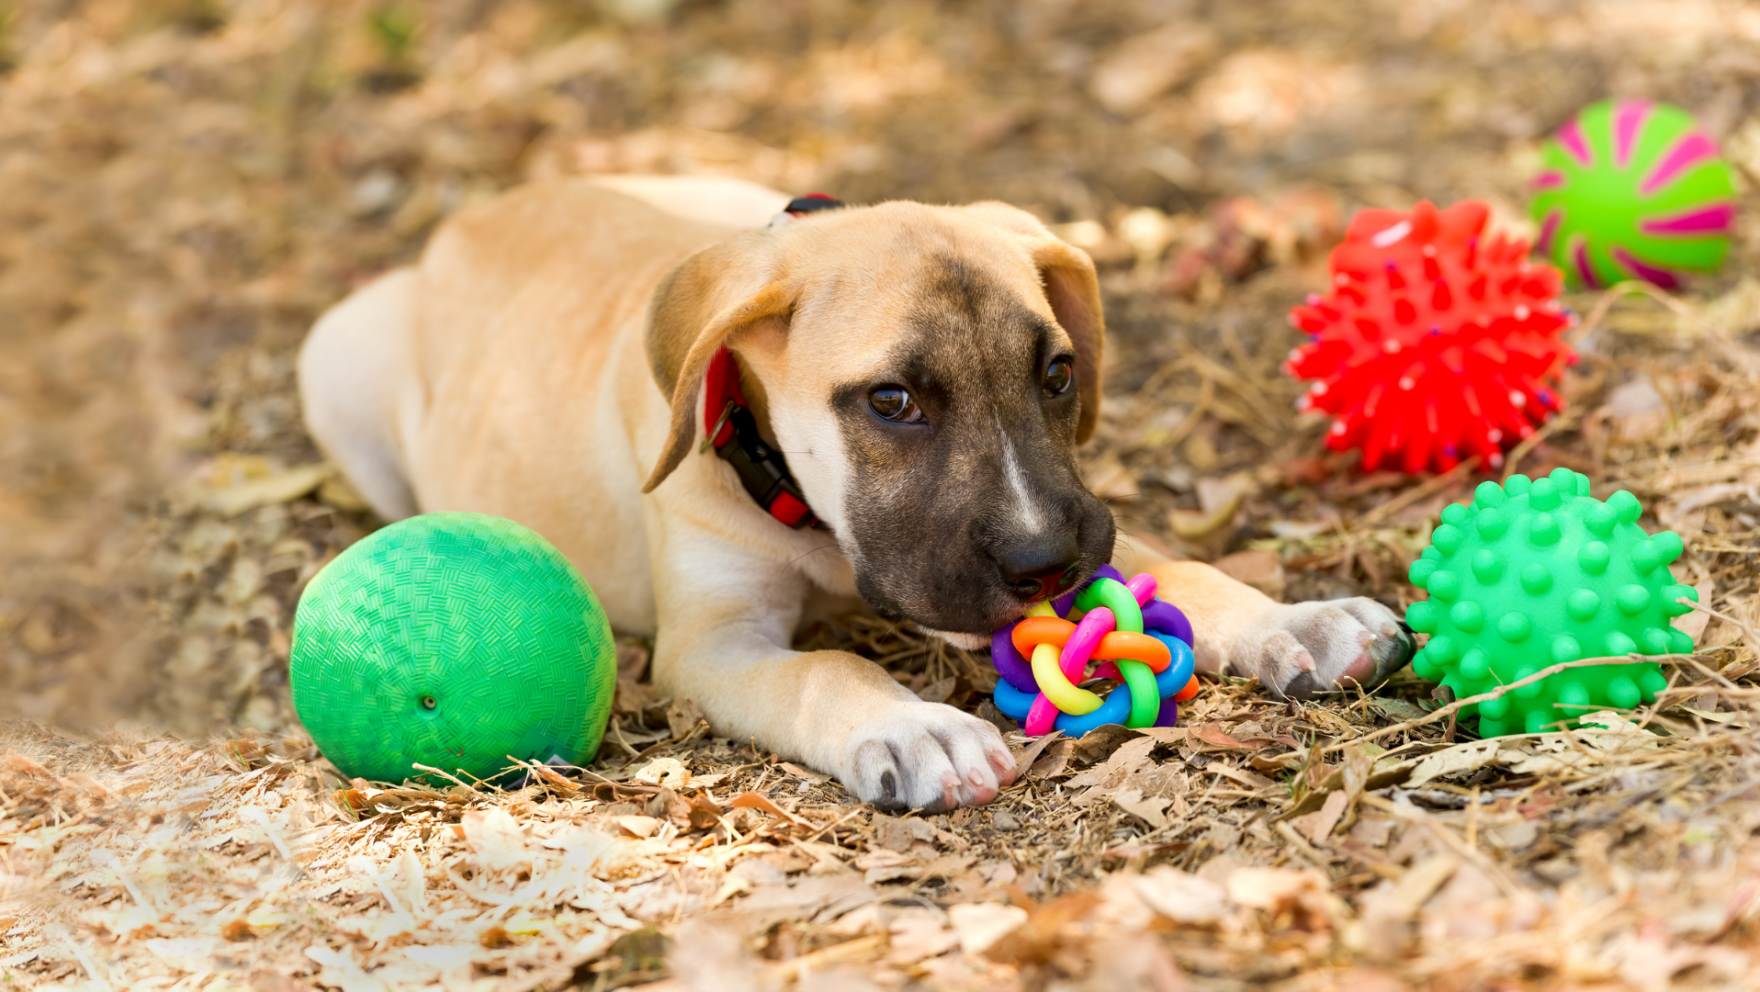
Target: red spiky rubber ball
[{"x": 1436, "y": 342}]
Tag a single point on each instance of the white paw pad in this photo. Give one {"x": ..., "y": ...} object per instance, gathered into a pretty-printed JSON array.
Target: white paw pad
[
  {"x": 1299, "y": 649},
  {"x": 926, "y": 756}
]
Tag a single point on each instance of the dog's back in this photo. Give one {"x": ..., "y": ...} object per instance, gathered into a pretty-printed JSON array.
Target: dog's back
[
  {"x": 522, "y": 301},
  {"x": 372, "y": 360}
]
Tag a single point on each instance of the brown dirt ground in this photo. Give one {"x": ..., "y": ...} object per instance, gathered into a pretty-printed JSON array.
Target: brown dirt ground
[{"x": 187, "y": 183}]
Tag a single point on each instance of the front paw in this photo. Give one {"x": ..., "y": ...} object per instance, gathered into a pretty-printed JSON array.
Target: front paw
[
  {"x": 926, "y": 756},
  {"x": 1298, "y": 649}
]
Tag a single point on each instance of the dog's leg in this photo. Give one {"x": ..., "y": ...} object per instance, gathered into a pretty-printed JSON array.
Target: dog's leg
[
  {"x": 1295, "y": 649},
  {"x": 726, "y": 622},
  {"x": 354, "y": 369}
]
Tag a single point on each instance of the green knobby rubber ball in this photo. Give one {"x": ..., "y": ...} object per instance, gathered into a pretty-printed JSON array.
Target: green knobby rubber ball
[
  {"x": 452, "y": 640},
  {"x": 1535, "y": 572},
  {"x": 1632, "y": 189}
]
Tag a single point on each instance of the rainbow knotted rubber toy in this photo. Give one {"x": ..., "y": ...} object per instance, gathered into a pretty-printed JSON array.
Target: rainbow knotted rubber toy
[{"x": 1140, "y": 641}]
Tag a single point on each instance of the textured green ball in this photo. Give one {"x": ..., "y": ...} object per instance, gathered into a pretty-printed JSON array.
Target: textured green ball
[
  {"x": 1632, "y": 189},
  {"x": 452, "y": 640},
  {"x": 1535, "y": 572}
]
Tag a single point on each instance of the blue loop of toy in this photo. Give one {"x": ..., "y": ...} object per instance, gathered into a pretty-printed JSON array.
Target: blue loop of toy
[
  {"x": 1014, "y": 703},
  {"x": 1173, "y": 678},
  {"x": 1115, "y": 708}
]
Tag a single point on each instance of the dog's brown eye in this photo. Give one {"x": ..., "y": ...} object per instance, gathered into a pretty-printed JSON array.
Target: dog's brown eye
[
  {"x": 895, "y": 404},
  {"x": 1058, "y": 376}
]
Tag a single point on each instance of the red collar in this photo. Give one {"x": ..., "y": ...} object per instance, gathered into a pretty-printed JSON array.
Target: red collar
[{"x": 730, "y": 428}]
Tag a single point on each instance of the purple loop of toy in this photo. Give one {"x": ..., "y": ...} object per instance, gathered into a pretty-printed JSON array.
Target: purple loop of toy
[
  {"x": 1014, "y": 669},
  {"x": 1062, "y": 603},
  {"x": 1169, "y": 715},
  {"x": 1164, "y": 618}
]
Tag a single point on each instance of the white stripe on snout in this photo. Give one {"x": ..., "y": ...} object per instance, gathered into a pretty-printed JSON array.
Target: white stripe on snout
[{"x": 1017, "y": 481}]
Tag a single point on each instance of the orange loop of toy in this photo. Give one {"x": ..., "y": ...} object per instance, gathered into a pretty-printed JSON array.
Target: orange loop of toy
[
  {"x": 1033, "y": 631},
  {"x": 1188, "y": 692},
  {"x": 1124, "y": 644}
]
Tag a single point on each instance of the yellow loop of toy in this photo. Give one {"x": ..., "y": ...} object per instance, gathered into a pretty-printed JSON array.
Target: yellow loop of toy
[
  {"x": 1063, "y": 695},
  {"x": 1041, "y": 609}
]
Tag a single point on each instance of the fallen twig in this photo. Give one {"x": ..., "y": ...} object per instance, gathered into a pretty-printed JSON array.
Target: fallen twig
[
  {"x": 1617, "y": 292},
  {"x": 1419, "y": 492},
  {"x": 1748, "y": 633},
  {"x": 1558, "y": 423},
  {"x": 1454, "y": 707}
]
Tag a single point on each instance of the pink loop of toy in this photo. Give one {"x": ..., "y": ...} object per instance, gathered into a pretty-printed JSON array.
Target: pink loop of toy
[
  {"x": 1108, "y": 670},
  {"x": 1080, "y": 647},
  {"x": 1041, "y": 717},
  {"x": 1143, "y": 586}
]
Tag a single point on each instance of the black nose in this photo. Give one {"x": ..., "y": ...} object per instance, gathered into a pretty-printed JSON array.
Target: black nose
[{"x": 1038, "y": 568}]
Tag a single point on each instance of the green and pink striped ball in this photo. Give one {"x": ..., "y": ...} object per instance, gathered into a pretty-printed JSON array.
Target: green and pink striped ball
[{"x": 1632, "y": 189}]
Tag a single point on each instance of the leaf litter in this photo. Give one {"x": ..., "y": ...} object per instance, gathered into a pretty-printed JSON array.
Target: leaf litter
[{"x": 190, "y": 183}]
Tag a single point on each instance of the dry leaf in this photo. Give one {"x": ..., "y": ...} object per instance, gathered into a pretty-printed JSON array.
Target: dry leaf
[
  {"x": 1182, "y": 897},
  {"x": 1260, "y": 569},
  {"x": 1319, "y": 830},
  {"x": 755, "y": 800},
  {"x": 1466, "y": 757},
  {"x": 1273, "y": 888},
  {"x": 637, "y": 826},
  {"x": 666, "y": 772},
  {"x": 1132, "y": 961},
  {"x": 25, "y": 766},
  {"x": 1149, "y": 810},
  {"x": 1214, "y": 736},
  {"x": 1130, "y": 755},
  {"x": 1693, "y": 623},
  {"x": 282, "y": 487},
  {"x": 495, "y": 838},
  {"x": 1389, "y": 908},
  {"x": 918, "y": 932},
  {"x": 683, "y": 716},
  {"x": 980, "y": 924}
]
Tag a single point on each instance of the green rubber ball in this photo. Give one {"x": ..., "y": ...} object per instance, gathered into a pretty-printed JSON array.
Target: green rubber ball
[
  {"x": 452, "y": 640},
  {"x": 1535, "y": 572}
]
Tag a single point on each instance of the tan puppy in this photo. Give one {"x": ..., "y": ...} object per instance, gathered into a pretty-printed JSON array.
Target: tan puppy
[{"x": 928, "y": 372}]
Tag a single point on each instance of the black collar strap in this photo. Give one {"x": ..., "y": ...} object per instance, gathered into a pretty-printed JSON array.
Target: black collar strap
[
  {"x": 810, "y": 203},
  {"x": 732, "y": 431}
]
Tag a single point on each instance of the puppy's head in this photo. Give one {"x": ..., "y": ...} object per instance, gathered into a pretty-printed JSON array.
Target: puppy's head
[{"x": 928, "y": 371}]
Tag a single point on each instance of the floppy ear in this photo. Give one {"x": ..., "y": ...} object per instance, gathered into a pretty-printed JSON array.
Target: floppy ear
[
  {"x": 1073, "y": 291},
  {"x": 702, "y": 305}
]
